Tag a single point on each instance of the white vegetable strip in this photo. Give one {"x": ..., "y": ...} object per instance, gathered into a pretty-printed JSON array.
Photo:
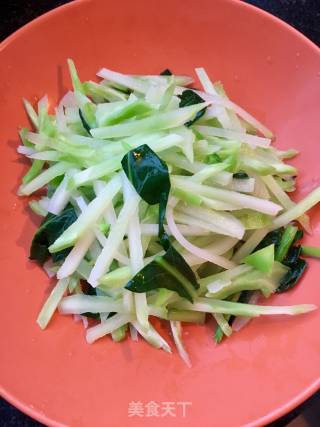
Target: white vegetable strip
[
  {"x": 299, "y": 209},
  {"x": 115, "y": 237},
  {"x": 36, "y": 138},
  {"x": 224, "y": 221},
  {"x": 225, "y": 275},
  {"x": 177, "y": 336},
  {"x": 72, "y": 261},
  {"x": 123, "y": 259},
  {"x": 218, "y": 248},
  {"x": 240, "y": 322},
  {"x": 44, "y": 178},
  {"x": 218, "y": 205},
  {"x": 243, "y": 185},
  {"x": 52, "y": 302},
  {"x": 136, "y": 253},
  {"x": 60, "y": 197},
  {"x": 227, "y": 307},
  {"x": 68, "y": 100},
  {"x": 219, "y": 111},
  {"x": 224, "y": 325},
  {"x": 26, "y": 151},
  {"x": 50, "y": 156},
  {"x": 78, "y": 304},
  {"x": 237, "y": 199},
  {"x": 201, "y": 253},
  {"x": 254, "y": 141},
  {"x": 152, "y": 230},
  {"x": 31, "y": 113},
  {"x": 217, "y": 99},
  {"x": 194, "y": 222},
  {"x": 153, "y": 337},
  {"x": 281, "y": 195},
  {"x": 125, "y": 80},
  {"x": 107, "y": 326},
  {"x": 89, "y": 217},
  {"x": 250, "y": 244},
  {"x": 285, "y": 200}
]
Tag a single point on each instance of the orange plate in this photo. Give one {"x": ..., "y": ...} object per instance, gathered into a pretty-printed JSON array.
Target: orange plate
[{"x": 259, "y": 373}]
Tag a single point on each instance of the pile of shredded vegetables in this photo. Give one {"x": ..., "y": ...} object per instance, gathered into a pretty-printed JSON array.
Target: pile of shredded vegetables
[{"x": 161, "y": 200}]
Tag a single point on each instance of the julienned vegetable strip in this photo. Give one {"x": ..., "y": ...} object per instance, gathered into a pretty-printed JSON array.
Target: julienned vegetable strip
[{"x": 158, "y": 200}]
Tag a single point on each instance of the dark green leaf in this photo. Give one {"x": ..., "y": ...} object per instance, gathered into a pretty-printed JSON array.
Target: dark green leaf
[
  {"x": 298, "y": 236},
  {"x": 150, "y": 177},
  {"x": 51, "y": 228},
  {"x": 240, "y": 175},
  {"x": 292, "y": 276},
  {"x": 166, "y": 72},
  {"x": 189, "y": 97},
  {"x": 292, "y": 256},
  {"x": 85, "y": 124},
  {"x": 87, "y": 289},
  {"x": 170, "y": 272},
  {"x": 274, "y": 237}
]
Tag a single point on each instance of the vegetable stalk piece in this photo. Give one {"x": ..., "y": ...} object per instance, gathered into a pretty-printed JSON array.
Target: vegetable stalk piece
[
  {"x": 156, "y": 122},
  {"x": 310, "y": 251},
  {"x": 89, "y": 217},
  {"x": 262, "y": 260},
  {"x": 52, "y": 302},
  {"x": 240, "y": 309}
]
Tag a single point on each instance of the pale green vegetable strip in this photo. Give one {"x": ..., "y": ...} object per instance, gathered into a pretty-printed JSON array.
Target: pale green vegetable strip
[
  {"x": 52, "y": 302},
  {"x": 136, "y": 253},
  {"x": 153, "y": 337},
  {"x": 240, "y": 309},
  {"x": 177, "y": 337},
  {"x": 33, "y": 172},
  {"x": 107, "y": 326},
  {"x": 208, "y": 87},
  {"x": 241, "y": 200},
  {"x": 93, "y": 212},
  {"x": 78, "y": 304},
  {"x": 222, "y": 322},
  {"x": 77, "y": 85},
  {"x": 115, "y": 238},
  {"x": 31, "y": 113},
  {"x": 44, "y": 178},
  {"x": 310, "y": 251},
  {"x": 187, "y": 316},
  {"x": 160, "y": 121},
  {"x": 299, "y": 209},
  {"x": 73, "y": 259}
]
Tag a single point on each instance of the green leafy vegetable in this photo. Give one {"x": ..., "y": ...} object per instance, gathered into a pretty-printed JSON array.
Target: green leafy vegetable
[
  {"x": 51, "y": 228},
  {"x": 293, "y": 275},
  {"x": 150, "y": 177},
  {"x": 170, "y": 272},
  {"x": 288, "y": 237},
  {"x": 189, "y": 97}
]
